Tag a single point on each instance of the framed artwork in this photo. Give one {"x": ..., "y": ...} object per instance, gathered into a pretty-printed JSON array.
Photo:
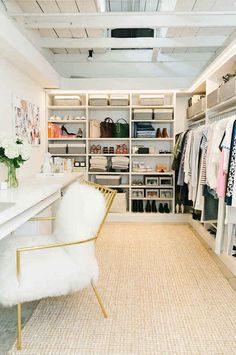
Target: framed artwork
[{"x": 26, "y": 121}]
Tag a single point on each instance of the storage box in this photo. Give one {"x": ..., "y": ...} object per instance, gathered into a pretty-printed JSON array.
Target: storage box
[
  {"x": 151, "y": 100},
  {"x": 165, "y": 181},
  {"x": 163, "y": 114},
  {"x": 152, "y": 193},
  {"x": 78, "y": 148},
  {"x": 199, "y": 106},
  {"x": 119, "y": 204},
  {"x": 143, "y": 114},
  {"x": 61, "y": 100},
  {"x": 213, "y": 98},
  {"x": 98, "y": 100},
  {"x": 119, "y": 100},
  {"x": 57, "y": 148},
  {"x": 190, "y": 112},
  {"x": 139, "y": 193},
  {"x": 108, "y": 180},
  {"x": 228, "y": 90}
]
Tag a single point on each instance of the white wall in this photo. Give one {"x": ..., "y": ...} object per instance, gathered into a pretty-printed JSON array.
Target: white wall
[
  {"x": 180, "y": 113},
  {"x": 15, "y": 82}
]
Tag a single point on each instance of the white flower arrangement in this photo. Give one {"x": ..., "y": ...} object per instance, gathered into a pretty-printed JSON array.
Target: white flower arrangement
[{"x": 14, "y": 150}]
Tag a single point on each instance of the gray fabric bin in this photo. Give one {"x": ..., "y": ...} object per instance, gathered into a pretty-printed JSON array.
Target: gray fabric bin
[
  {"x": 144, "y": 114},
  {"x": 228, "y": 90},
  {"x": 190, "y": 112},
  {"x": 76, "y": 148},
  {"x": 199, "y": 106},
  {"x": 119, "y": 100},
  {"x": 163, "y": 114},
  {"x": 64, "y": 101},
  {"x": 108, "y": 180},
  {"x": 57, "y": 148},
  {"x": 99, "y": 100},
  {"x": 213, "y": 98}
]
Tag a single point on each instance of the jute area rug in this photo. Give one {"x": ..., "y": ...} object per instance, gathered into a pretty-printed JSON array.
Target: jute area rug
[{"x": 163, "y": 292}]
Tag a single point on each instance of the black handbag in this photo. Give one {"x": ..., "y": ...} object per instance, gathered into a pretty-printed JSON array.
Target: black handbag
[{"x": 107, "y": 128}]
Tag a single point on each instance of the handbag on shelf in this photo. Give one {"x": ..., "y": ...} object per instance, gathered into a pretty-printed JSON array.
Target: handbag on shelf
[
  {"x": 107, "y": 128},
  {"x": 121, "y": 129},
  {"x": 94, "y": 129}
]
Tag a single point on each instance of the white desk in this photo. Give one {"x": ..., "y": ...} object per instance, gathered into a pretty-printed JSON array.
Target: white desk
[{"x": 30, "y": 198}]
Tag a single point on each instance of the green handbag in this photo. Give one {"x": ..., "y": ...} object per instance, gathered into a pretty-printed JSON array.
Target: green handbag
[{"x": 121, "y": 129}]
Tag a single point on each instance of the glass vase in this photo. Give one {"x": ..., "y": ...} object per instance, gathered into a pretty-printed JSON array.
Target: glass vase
[{"x": 11, "y": 177}]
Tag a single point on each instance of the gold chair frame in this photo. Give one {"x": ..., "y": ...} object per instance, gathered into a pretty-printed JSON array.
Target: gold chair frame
[{"x": 109, "y": 195}]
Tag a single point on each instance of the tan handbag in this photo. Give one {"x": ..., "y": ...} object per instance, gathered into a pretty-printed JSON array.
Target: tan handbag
[{"x": 94, "y": 129}]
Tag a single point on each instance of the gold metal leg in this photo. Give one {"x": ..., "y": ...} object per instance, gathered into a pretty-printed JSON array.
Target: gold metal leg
[
  {"x": 19, "y": 326},
  {"x": 99, "y": 300}
]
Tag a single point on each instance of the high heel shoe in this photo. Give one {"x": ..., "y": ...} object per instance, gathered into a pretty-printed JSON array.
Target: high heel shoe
[
  {"x": 79, "y": 133},
  {"x": 64, "y": 131}
]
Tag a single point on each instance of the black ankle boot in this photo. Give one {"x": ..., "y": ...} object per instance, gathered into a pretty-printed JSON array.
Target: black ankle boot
[
  {"x": 166, "y": 208},
  {"x": 161, "y": 208},
  {"x": 154, "y": 207},
  {"x": 140, "y": 206},
  {"x": 148, "y": 207},
  {"x": 134, "y": 206}
]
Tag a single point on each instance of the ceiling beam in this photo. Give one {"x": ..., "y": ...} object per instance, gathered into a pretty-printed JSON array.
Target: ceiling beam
[
  {"x": 144, "y": 56},
  {"x": 127, "y": 19},
  {"x": 88, "y": 43}
]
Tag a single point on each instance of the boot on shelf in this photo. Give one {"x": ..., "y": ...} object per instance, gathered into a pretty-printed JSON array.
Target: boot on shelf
[
  {"x": 165, "y": 133},
  {"x": 158, "y": 133},
  {"x": 154, "y": 207},
  {"x": 166, "y": 208},
  {"x": 148, "y": 207},
  {"x": 182, "y": 208},
  {"x": 177, "y": 208},
  {"x": 161, "y": 208},
  {"x": 134, "y": 206},
  {"x": 140, "y": 206}
]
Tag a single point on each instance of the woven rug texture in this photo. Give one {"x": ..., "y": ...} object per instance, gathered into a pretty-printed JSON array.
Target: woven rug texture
[{"x": 163, "y": 292}]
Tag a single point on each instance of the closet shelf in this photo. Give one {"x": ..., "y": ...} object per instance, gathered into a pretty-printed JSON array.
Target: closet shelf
[
  {"x": 108, "y": 107},
  {"x": 152, "y": 198},
  {"x": 109, "y": 155},
  {"x": 154, "y": 121},
  {"x": 153, "y": 107},
  {"x": 67, "y": 121},
  {"x": 222, "y": 107},
  {"x": 68, "y": 155},
  {"x": 66, "y": 108},
  {"x": 196, "y": 117},
  {"x": 152, "y": 155},
  {"x": 66, "y": 139},
  {"x": 153, "y": 139},
  {"x": 151, "y": 187},
  {"x": 152, "y": 173},
  {"x": 108, "y": 139},
  {"x": 106, "y": 173}
]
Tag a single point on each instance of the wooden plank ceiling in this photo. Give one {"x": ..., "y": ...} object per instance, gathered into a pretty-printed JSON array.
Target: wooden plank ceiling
[{"x": 83, "y": 6}]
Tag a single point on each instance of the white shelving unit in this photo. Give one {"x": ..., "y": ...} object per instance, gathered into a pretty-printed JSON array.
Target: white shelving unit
[{"x": 115, "y": 112}]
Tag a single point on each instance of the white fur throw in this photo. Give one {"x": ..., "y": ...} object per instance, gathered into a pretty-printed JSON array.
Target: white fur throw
[{"x": 57, "y": 271}]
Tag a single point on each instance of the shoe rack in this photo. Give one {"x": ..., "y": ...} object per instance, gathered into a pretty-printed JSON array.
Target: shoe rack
[{"x": 141, "y": 181}]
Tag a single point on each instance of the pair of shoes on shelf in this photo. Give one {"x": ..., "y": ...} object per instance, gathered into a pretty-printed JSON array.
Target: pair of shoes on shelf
[
  {"x": 164, "y": 151},
  {"x": 137, "y": 206},
  {"x": 65, "y": 132},
  {"x": 121, "y": 149},
  {"x": 162, "y": 134},
  {"x": 106, "y": 150},
  {"x": 137, "y": 182},
  {"x": 96, "y": 149},
  {"x": 163, "y": 208},
  {"x": 151, "y": 207}
]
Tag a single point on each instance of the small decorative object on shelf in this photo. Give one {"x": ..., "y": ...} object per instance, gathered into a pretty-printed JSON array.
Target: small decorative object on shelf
[{"x": 14, "y": 151}]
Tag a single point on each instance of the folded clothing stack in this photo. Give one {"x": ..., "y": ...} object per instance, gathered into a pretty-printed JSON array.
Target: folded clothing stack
[
  {"x": 98, "y": 163},
  {"x": 144, "y": 130},
  {"x": 120, "y": 163}
]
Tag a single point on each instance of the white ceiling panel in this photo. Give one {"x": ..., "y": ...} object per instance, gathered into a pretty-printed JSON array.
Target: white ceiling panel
[
  {"x": 49, "y": 6},
  {"x": 78, "y": 32},
  {"x": 222, "y": 5},
  {"x": 86, "y": 5},
  {"x": 64, "y": 33},
  {"x": 29, "y": 6},
  {"x": 47, "y": 32},
  {"x": 68, "y": 6}
]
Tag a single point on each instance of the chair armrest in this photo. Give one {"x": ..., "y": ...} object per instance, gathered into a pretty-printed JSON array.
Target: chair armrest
[{"x": 46, "y": 246}]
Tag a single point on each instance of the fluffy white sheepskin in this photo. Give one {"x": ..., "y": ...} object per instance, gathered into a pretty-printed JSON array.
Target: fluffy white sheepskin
[{"x": 58, "y": 271}]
